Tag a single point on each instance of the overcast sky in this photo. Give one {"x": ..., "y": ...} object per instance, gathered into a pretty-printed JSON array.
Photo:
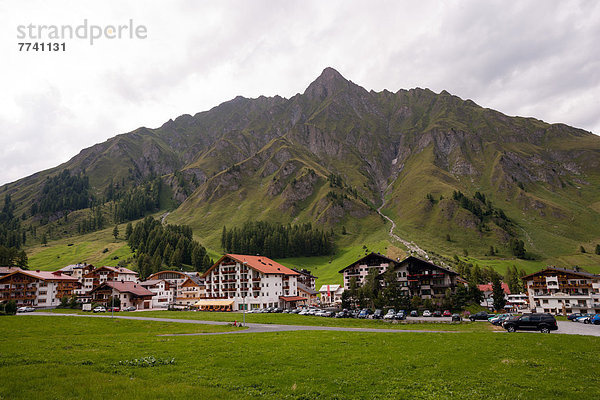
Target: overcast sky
[{"x": 528, "y": 58}]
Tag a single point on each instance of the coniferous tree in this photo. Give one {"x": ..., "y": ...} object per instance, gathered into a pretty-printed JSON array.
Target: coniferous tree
[
  {"x": 116, "y": 232},
  {"x": 498, "y": 294},
  {"x": 128, "y": 230}
]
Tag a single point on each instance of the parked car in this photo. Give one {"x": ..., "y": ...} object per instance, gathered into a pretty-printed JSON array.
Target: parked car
[
  {"x": 427, "y": 313},
  {"x": 378, "y": 314},
  {"x": 538, "y": 322},
  {"x": 130, "y": 308},
  {"x": 354, "y": 313},
  {"x": 295, "y": 311},
  {"x": 585, "y": 318},
  {"x": 400, "y": 315},
  {"x": 391, "y": 314},
  {"x": 414, "y": 313},
  {"x": 437, "y": 314},
  {"x": 572, "y": 317},
  {"x": 446, "y": 313},
  {"x": 456, "y": 317},
  {"x": 343, "y": 314},
  {"x": 480, "y": 316},
  {"x": 99, "y": 309},
  {"x": 498, "y": 320},
  {"x": 365, "y": 313},
  {"x": 595, "y": 319},
  {"x": 25, "y": 309},
  {"x": 113, "y": 309}
]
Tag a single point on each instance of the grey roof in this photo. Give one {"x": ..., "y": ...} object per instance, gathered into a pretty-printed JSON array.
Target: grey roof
[
  {"x": 306, "y": 289},
  {"x": 196, "y": 279},
  {"x": 70, "y": 268},
  {"x": 151, "y": 282}
]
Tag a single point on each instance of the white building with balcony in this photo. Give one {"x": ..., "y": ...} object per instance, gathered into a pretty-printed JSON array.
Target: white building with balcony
[
  {"x": 253, "y": 281},
  {"x": 563, "y": 291}
]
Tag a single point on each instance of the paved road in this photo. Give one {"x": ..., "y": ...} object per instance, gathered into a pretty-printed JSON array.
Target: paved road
[{"x": 564, "y": 327}]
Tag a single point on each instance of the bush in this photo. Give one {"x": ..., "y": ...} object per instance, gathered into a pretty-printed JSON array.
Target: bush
[
  {"x": 10, "y": 308},
  {"x": 64, "y": 302}
]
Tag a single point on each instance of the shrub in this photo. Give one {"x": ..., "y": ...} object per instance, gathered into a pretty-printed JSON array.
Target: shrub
[{"x": 10, "y": 308}]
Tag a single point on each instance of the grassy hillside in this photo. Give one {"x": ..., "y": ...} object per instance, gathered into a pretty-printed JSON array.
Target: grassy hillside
[{"x": 97, "y": 248}]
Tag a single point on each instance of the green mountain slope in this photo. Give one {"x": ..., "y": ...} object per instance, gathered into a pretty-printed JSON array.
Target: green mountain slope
[{"x": 335, "y": 153}]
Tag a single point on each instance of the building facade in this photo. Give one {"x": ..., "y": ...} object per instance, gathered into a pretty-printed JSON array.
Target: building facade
[
  {"x": 163, "y": 293},
  {"x": 37, "y": 288},
  {"x": 374, "y": 263},
  {"x": 191, "y": 290},
  {"x": 563, "y": 291},
  {"x": 129, "y": 293},
  {"x": 423, "y": 279},
  {"x": 305, "y": 278},
  {"x": 252, "y": 282},
  {"x": 98, "y": 276},
  {"x": 311, "y": 296},
  {"x": 331, "y": 295},
  {"x": 181, "y": 294}
]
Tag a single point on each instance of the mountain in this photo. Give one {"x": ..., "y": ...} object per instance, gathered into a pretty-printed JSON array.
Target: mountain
[{"x": 451, "y": 174}]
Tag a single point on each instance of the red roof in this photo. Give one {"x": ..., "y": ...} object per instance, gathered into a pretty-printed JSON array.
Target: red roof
[
  {"x": 127, "y": 287},
  {"x": 44, "y": 275},
  {"x": 258, "y": 263},
  {"x": 292, "y": 298},
  {"x": 9, "y": 270},
  {"x": 489, "y": 288}
]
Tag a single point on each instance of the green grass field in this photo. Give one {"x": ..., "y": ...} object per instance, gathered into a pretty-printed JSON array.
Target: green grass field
[
  {"x": 294, "y": 319},
  {"x": 70, "y": 357}
]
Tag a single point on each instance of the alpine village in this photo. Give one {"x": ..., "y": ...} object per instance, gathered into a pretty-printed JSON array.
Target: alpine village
[{"x": 336, "y": 202}]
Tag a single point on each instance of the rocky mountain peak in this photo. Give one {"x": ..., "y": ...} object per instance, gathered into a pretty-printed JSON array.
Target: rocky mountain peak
[{"x": 329, "y": 82}]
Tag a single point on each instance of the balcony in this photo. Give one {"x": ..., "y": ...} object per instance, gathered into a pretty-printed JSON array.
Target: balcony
[{"x": 228, "y": 271}]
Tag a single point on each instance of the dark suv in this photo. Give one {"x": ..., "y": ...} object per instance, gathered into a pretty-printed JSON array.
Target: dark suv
[{"x": 534, "y": 322}]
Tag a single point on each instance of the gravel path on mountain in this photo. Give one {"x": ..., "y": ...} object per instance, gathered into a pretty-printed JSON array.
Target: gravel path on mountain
[{"x": 409, "y": 245}]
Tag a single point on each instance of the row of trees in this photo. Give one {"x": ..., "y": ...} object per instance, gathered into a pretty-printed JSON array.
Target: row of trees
[
  {"x": 170, "y": 246},
  {"x": 138, "y": 201},
  {"x": 63, "y": 192},
  {"x": 13, "y": 257},
  {"x": 277, "y": 240},
  {"x": 11, "y": 232}
]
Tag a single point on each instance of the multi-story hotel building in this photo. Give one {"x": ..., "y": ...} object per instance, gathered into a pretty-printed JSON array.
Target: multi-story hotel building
[
  {"x": 256, "y": 281},
  {"x": 100, "y": 275},
  {"x": 563, "y": 291},
  {"x": 185, "y": 286},
  {"x": 424, "y": 279},
  {"x": 130, "y": 294},
  {"x": 416, "y": 277},
  {"x": 360, "y": 269},
  {"x": 37, "y": 288}
]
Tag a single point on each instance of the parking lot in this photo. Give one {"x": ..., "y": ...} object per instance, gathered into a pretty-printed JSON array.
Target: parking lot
[{"x": 564, "y": 327}]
